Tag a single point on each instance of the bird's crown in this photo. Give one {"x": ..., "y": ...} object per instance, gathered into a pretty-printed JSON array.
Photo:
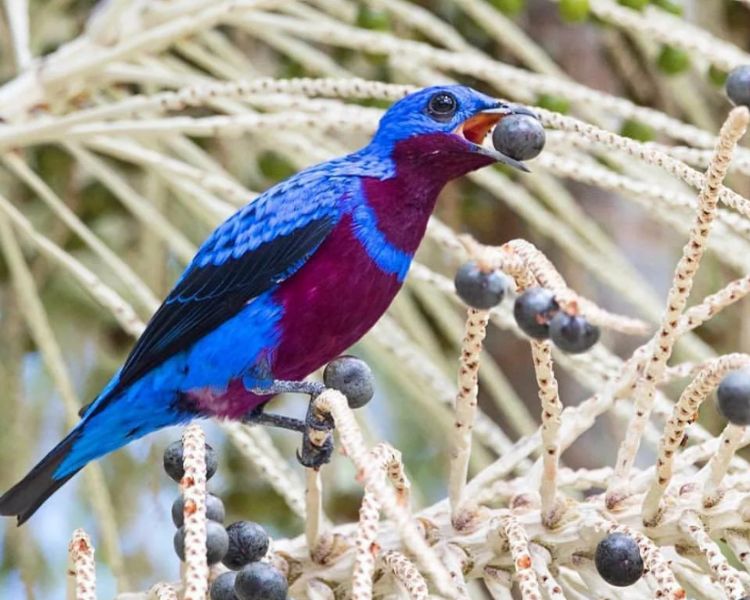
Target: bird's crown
[{"x": 437, "y": 109}]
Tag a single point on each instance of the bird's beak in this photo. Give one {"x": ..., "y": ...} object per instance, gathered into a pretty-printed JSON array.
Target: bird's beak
[{"x": 475, "y": 130}]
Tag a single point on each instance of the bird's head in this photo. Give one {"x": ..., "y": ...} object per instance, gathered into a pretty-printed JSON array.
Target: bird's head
[{"x": 444, "y": 127}]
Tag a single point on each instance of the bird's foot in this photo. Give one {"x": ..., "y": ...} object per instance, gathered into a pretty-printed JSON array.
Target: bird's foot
[
  {"x": 317, "y": 441},
  {"x": 317, "y": 431}
]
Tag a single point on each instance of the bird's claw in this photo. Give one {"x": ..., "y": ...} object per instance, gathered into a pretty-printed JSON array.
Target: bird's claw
[
  {"x": 312, "y": 456},
  {"x": 316, "y": 429},
  {"x": 317, "y": 440}
]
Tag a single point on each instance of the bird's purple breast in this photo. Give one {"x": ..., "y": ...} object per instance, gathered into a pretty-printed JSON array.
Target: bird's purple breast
[{"x": 330, "y": 304}]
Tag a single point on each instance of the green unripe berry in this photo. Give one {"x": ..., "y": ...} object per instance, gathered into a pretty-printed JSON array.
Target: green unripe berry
[
  {"x": 673, "y": 61},
  {"x": 634, "y": 4},
  {"x": 509, "y": 7},
  {"x": 371, "y": 18},
  {"x": 635, "y": 130},
  {"x": 670, "y": 6},
  {"x": 717, "y": 76},
  {"x": 554, "y": 103},
  {"x": 574, "y": 11}
]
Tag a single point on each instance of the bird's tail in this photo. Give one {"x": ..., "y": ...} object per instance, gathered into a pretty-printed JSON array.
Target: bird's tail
[
  {"x": 108, "y": 424},
  {"x": 24, "y": 498}
]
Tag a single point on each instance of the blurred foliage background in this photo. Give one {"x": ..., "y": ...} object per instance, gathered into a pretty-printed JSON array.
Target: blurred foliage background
[{"x": 560, "y": 39}]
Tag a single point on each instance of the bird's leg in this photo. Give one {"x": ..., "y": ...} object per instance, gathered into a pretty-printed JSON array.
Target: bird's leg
[
  {"x": 280, "y": 386},
  {"x": 257, "y": 416},
  {"x": 317, "y": 439}
]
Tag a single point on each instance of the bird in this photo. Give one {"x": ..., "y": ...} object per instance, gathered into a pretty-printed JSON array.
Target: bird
[{"x": 285, "y": 284}]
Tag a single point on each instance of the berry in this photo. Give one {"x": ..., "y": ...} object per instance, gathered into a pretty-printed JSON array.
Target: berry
[
  {"x": 533, "y": 309},
  {"x": 635, "y": 130},
  {"x": 734, "y": 397},
  {"x": 223, "y": 587},
  {"x": 670, "y": 6},
  {"x": 352, "y": 377},
  {"x": 618, "y": 560},
  {"x": 635, "y": 4},
  {"x": 574, "y": 11},
  {"x": 572, "y": 333},
  {"x": 509, "y": 7},
  {"x": 260, "y": 581},
  {"x": 373, "y": 18},
  {"x": 738, "y": 85},
  {"x": 519, "y": 136},
  {"x": 214, "y": 510},
  {"x": 479, "y": 289},
  {"x": 217, "y": 542},
  {"x": 554, "y": 103},
  {"x": 717, "y": 76},
  {"x": 173, "y": 461},
  {"x": 248, "y": 542},
  {"x": 673, "y": 61}
]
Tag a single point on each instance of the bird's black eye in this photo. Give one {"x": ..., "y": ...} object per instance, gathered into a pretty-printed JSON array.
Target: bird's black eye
[{"x": 442, "y": 106}]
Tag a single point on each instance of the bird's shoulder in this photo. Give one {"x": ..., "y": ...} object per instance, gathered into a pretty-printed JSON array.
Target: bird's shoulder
[{"x": 314, "y": 194}]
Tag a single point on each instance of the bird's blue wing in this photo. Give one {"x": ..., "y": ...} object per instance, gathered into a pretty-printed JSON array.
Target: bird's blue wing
[{"x": 255, "y": 249}]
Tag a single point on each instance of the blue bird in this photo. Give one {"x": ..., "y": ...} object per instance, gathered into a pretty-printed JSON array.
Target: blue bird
[{"x": 284, "y": 285}]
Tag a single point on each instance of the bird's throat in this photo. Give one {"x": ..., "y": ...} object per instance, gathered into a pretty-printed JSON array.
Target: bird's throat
[{"x": 404, "y": 202}]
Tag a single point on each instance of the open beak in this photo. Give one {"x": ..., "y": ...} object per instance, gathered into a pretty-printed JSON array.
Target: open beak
[{"x": 475, "y": 130}]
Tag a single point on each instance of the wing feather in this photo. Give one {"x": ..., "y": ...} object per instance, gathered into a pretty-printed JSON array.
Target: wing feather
[{"x": 250, "y": 253}]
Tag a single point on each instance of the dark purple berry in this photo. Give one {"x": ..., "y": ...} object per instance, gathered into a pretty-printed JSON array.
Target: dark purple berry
[
  {"x": 738, "y": 86},
  {"x": 734, "y": 397},
  {"x": 260, "y": 581},
  {"x": 519, "y": 136},
  {"x": 217, "y": 542},
  {"x": 572, "y": 333},
  {"x": 223, "y": 587},
  {"x": 173, "y": 461},
  {"x": 352, "y": 377},
  {"x": 479, "y": 289},
  {"x": 618, "y": 560},
  {"x": 214, "y": 510},
  {"x": 248, "y": 542},
  {"x": 533, "y": 310}
]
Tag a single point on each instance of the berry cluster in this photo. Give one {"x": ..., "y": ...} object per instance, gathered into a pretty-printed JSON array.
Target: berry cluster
[
  {"x": 536, "y": 311},
  {"x": 240, "y": 546},
  {"x": 539, "y": 316}
]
